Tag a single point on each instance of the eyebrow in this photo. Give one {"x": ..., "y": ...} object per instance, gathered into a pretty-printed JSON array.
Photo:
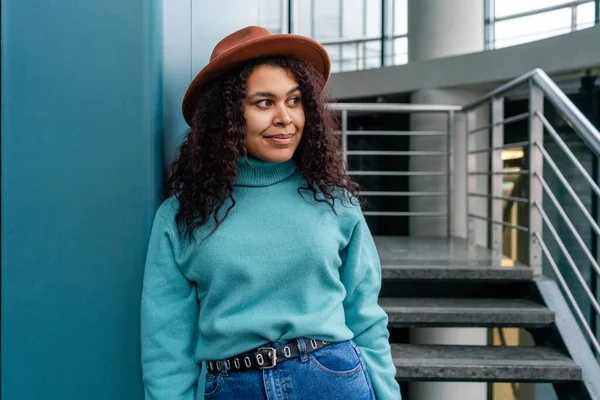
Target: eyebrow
[{"x": 271, "y": 95}]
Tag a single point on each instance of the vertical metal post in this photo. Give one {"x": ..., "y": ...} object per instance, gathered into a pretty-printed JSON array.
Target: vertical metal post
[
  {"x": 345, "y": 137},
  {"x": 489, "y": 24},
  {"x": 496, "y": 167},
  {"x": 392, "y": 57},
  {"x": 597, "y": 13},
  {"x": 536, "y": 164},
  {"x": 383, "y": 29},
  {"x": 282, "y": 16},
  {"x": 573, "y": 18},
  {"x": 341, "y": 32},
  {"x": 313, "y": 14},
  {"x": 290, "y": 16},
  {"x": 449, "y": 160},
  {"x": 364, "y": 34},
  {"x": 470, "y": 181}
]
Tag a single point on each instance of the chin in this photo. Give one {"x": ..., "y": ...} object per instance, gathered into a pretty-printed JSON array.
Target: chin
[{"x": 277, "y": 157}]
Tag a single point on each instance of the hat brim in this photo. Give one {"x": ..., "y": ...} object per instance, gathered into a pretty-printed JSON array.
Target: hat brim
[{"x": 300, "y": 47}]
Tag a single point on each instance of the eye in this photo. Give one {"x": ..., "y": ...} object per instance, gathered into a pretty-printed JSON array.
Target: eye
[
  {"x": 294, "y": 101},
  {"x": 263, "y": 103}
]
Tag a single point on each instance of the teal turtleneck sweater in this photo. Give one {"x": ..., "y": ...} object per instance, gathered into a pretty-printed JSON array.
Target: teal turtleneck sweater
[{"x": 280, "y": 266}]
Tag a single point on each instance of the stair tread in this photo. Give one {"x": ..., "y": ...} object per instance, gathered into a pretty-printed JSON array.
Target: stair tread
[
  {"x": 444, "y": 258},
  {"x": 483, "y": 363},
  {"x": 465, "y": 311}
]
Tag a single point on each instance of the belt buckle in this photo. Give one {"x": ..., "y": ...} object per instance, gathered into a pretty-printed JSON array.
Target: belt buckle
[{"x": 272, "y": 355}]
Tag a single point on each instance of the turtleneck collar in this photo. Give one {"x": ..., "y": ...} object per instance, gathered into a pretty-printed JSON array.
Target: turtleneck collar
[{"x": 262, "y": 173}]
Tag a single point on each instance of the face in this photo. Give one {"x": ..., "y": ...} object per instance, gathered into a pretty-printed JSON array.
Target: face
[{"x": 274, "y": 114}]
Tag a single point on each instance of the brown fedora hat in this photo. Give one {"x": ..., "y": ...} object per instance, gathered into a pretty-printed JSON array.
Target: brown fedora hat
[{"x": 250, "y": 43}]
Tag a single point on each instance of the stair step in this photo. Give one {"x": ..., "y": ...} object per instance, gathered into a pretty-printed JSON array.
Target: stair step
[
  {"x": 404, "y": 312},
  {"x": 483, "y": 364},
  {"x": 444, "y": 259}
]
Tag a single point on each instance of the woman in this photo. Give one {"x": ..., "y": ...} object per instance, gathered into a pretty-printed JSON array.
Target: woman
[{"x": 261, "y": 265}]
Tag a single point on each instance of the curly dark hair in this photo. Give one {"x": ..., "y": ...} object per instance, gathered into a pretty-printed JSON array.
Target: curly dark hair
[{"x": 206, "y": 164}]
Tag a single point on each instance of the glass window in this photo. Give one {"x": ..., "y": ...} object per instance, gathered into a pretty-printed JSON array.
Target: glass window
[
  {"x": 512, "y": 31},
  {"x": 373, "y": 18},
  {"x": 509, "y": 7},
  {"x": 326, "y": 20},
  {"x": 400, "y": 17},
  {"x": 534, "y": 27},
  {"x": 271, "y": 15},
  {"x": 585, "y": 15},
  {"x": 353, "y": 21},
  {"x": 400, "y": 53},
  {"x": 351, "y": 30}
]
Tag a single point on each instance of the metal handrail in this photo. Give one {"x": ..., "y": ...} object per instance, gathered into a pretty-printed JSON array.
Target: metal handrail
[
  {"x": 409, "y": 108},
  {"x": 445, "y": 172},
  {"x": 568, "y": 293},
  {"x": 541, "y": 89},
  {"x": 568, "y": 152},
  {"x": 567, "y": 255},
  {"x": 569, "y": 188},
  {"x": 359, "y": 40},
  {"x": 542, "y": 10},
  {"x": 581, "y": 125},
  {"x": 567, "y": 221}
]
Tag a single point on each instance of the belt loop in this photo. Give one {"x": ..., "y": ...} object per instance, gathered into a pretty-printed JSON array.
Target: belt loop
[
  {"x": 302, "y": 349},
  {"x": 224, "y": 368}
]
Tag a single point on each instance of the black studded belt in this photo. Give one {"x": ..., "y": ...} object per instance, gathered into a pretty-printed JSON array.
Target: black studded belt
[{"x": 264, "y": 357}]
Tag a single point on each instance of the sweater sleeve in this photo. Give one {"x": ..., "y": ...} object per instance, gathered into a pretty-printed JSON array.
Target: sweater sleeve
[
  {"x": 361, "y": 276},
  {"x": 169, "y": 314}
]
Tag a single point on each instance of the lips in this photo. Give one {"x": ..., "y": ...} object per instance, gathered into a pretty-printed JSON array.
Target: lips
[
  {"x": 281, "y": 139},
  {"x": 280, "y": 136}
]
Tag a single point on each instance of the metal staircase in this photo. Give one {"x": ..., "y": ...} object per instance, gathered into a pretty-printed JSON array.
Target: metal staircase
[{"x": 469, "y": 282}]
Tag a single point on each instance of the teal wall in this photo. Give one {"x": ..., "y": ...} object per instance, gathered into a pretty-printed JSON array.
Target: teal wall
[{"x": 81, "y": 166}]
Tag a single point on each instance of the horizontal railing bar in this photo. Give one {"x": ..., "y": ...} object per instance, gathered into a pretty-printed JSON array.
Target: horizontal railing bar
[
  {"x": 514, "y": 118},
  {"x": 503, "y": 147},
  {"x": 359, "y": 40},
  {"x": 507, "y": 198},
  {"x": 542, "y": 10},
  {"x": 396, "y": 133},
  {"x": 405, "y": 214},
  {"x": 567, "y": 220},
  {"x": 570, "y": 261},
  {"x": 370, "y": 107},
  {"x": 395, "y": 153},
  {"x": 376, "y": 193},
  {"x": 508, "y": 120},
  {"x": 398, "y": 173},
  {"x": 517, "y": 227},
  {"x": 567, "y": 186},
  {"x": 522, "y": 172},
  {"x": 568, "y": 152},
  {"x": 567, "y": 292}
]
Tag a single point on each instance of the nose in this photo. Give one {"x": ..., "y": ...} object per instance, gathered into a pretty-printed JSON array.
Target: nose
[{"x": 282, "y": 118}]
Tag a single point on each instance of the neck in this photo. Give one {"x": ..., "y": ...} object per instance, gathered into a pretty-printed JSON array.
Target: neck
[{"x": 255, "y": 172}]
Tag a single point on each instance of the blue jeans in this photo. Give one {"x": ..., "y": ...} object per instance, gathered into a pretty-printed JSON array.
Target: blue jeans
[{"x": 336, "y": 371}]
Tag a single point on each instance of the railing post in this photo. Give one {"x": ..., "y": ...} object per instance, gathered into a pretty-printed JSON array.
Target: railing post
[
  {"x": 496, "y": 168},
  {"x": 536, "y": 164},
  {"x": 470, "y": 181},
  {"x": 345, "y": 137},
  {"x": 449, "y": 160}
]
